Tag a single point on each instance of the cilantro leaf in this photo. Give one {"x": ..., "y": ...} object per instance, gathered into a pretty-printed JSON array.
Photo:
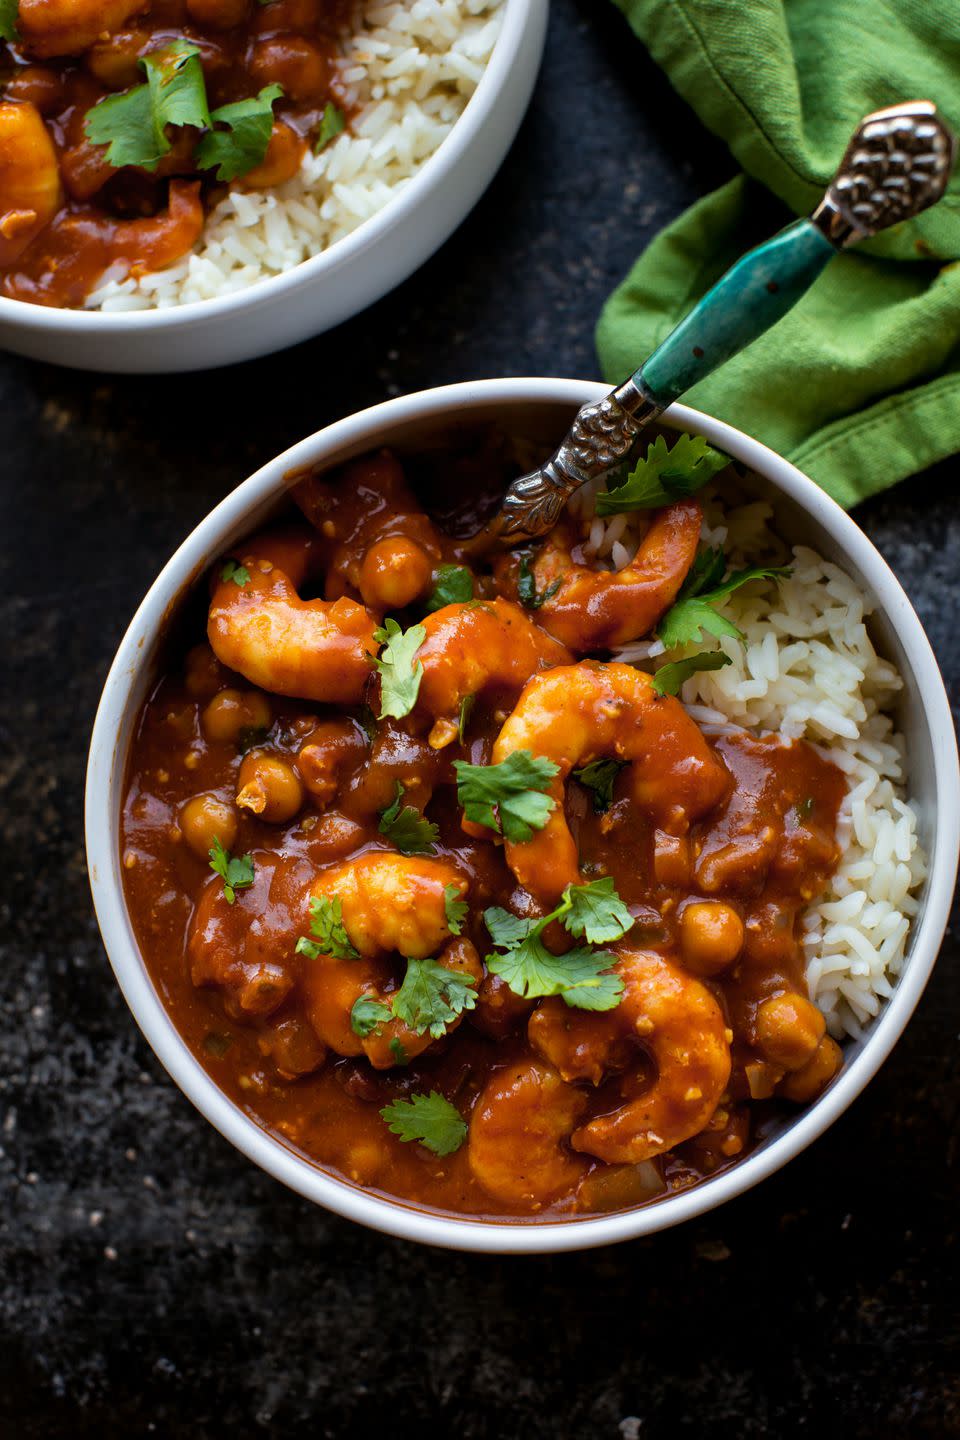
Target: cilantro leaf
[
  {"x": 134, "y": 124},
  {"x": 367, "y": 1014},
  {"x": 400, "y": 675},
  {"x": 236, "y": 872},
  {"x": 410, "y": 831},
  {"x": 326, "y": 925},
  {"x": 9, "y": 12},
  {"x": 669, "y": 678},
  {"x": 595, "y": 911},
  {"x": 454, "y": 587},
  {"x": 531, "y": 970},
  {"x": 527, "y": 590},
  {"x": 466, "y": 710},
  {"x": 664, "y": 475},
  {"x": 693, "y": 611},
  {"x": 243, "y": 144},
  {"x": 507, "y": 930},
  {"x": 509, "y": 798},
  {"x": 331, "y": 125},
  {"x": 239, "y": 574},
  {"x": 430, "y": 1119},
  {"x": 398, "y": 1052},
  {"x": 432, "y": 997},
  {"x": 455, "y": 909},
  {"x": 599, "y": 777}
]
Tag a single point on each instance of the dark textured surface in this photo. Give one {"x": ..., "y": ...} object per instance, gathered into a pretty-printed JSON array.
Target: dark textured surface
[{"x": 154, "y": 1282}]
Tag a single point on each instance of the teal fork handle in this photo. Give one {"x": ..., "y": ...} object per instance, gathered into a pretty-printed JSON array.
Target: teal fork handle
[{"x": 756, "y": 293}]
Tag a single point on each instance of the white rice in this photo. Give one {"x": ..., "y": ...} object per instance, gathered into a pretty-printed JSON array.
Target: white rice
[
  {"x": 807, "y": 668},
  {"x": 411, "y": 68}
]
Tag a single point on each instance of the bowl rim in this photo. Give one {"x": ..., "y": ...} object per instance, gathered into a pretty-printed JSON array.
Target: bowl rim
[
  {"x": 435, "y": 171},
  {"x": 398, "y": 1218}
]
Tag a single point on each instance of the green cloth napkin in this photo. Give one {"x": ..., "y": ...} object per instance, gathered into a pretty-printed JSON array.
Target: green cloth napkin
[{"x": 859, "y": 385}]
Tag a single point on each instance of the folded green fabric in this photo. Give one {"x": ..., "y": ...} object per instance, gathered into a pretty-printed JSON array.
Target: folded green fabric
[{"x": 860, "y": 383}]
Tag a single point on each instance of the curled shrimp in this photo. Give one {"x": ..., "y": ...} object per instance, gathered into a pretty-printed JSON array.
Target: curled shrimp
[
  {"x": 310, "y": 649},
  {"x": 474, "y": 648},
  {"x": 518, "y": 1133},
  {"x": 68, "y": 27},
  {"x": 579, "y": 713},
  {"x": 678, "y": 1023},
  {"x": 388, "y": 904},
  {"x": 29, "y": 178},
  {"x": 600, "y": 609}
]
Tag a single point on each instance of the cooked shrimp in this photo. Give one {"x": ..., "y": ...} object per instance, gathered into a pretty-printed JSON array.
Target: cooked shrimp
[
  {"x": 681, "y": 1026},
  {"x": 388, "y": 903},
  {"x": 392, "y": 902},
  {"x": 472, "y": 648},
  {"x": 579, "y": 713},
  {"x": 599, "y": 609},
  {"x": 68, "y": 27},
  {"x": 381, "y": 1046},
  {"x": 29, "y": 178},
  {"x": 311, "y": 649},
  {"x": 518, "y": 1131}
]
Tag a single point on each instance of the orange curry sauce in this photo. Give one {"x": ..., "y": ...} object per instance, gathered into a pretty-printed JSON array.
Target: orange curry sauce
[
  {"x": 245, "y": 1001},
  {"x": 66, "y": 214}
]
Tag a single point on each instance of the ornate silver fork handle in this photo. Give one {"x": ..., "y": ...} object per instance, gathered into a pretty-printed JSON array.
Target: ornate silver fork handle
[{"x": 897, "y": 163}]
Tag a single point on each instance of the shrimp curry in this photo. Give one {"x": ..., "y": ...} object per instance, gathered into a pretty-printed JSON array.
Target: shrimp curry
[
  {"x": 122, "y": 123},
  {"x": 445, "y": 895}
]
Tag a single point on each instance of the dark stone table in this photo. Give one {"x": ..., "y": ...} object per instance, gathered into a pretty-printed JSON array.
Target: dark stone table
[{"x": 152, "y": 1281}]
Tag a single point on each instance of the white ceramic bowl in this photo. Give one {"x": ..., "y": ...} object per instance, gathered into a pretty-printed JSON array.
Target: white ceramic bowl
[
  {"x": 540, "y": 410},
  {"x": 327, "y": 289}
]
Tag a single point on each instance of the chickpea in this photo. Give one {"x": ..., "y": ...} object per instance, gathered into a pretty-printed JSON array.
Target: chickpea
[
  {"x": 789, "y": 1030},
  {"x": 204, "y": 819},
  {"x": 231, "y": 711},
  {"x": 203, "y": 673},
  {"x": 394, "y": 573},
  {"x": 270, "y": 787},
  {"x": 326, "y": 752},
  {"x": 711, "y": 936},
  {"x": 291, "y": 61},
  {"x": 115, "y": 60},
  {"x": 808, "y": 1082},
  {"x": 35, "y": 85}
]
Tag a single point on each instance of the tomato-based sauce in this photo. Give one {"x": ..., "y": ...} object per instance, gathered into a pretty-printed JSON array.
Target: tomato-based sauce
[
  {"x": 67, "y": 214},
  {"x": 714, "y": 845}
]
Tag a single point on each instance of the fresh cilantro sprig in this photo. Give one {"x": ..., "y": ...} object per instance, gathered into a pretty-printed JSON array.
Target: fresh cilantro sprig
[
  {"x": 694, "y": 609},
  {"x": 454, "y": 586},
  {"x": 242, "y": 144},
  {"x": 328, "y": 930},
  {"x": 666, "y": 473},
  {"x": 669, "y": 679},
  {"x": 236, "y": 871},
  {"x": 509, "y": 798},
  {"x": 331, "y": 125},
  {"x": 432, "y": 997},
  {"x": 9, "y": 14},
  {"x": 527, "y": 590},
  {"x": 133, "y": 125},
  {"x": 410, "y": 831},
  {"x": 429, "y": 1119},
  {"x": 400, "y": 671},
  {"x": 599, "y": 777},
  {"x": 455, "y": 909},
  {"x": 239, "y": 574},
  {"x": 582, "y": 976},
  {"x": 367, "y": 1014}
]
